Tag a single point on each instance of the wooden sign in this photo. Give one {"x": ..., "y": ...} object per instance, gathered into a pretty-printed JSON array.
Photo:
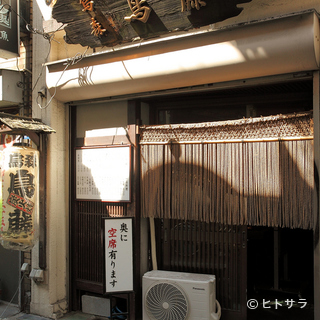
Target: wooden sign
[{"x": 122, "y": 21}]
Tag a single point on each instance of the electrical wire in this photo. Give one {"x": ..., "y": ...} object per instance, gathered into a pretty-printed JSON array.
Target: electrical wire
[
  {"x": 11, "y": 9},
  {"x": 42, "y": 67},
  {"x": 77, "y": 58},
  {"x": 46, "y": 35},
  {"x": 50, "y": 37}
]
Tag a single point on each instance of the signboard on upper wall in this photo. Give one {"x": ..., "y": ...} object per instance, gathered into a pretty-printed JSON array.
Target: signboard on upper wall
[
  {"x": 108, "y": 22},
  {"x": 9, "y": 29}
]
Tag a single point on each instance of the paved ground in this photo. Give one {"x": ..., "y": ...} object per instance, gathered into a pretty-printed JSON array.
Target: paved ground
[
  {"x": 68, "y": 316},
  {"x": 12, "y": 312},
  {"x": 7, "y": 310}
]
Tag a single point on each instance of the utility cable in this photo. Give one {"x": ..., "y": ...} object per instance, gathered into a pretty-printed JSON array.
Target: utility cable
[
  {"x": 77, "y": 58},
  {"x": 50, "y": 37},
  {"x": 46, "y": 35}
]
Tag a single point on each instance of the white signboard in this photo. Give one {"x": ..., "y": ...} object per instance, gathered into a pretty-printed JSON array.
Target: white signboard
[
  {"x": 103, "y": 174},
  {"x": 118, "y": 255}
]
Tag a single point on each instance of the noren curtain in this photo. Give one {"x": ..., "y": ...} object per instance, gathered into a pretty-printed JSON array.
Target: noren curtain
[{"x": 260, "y": 183}]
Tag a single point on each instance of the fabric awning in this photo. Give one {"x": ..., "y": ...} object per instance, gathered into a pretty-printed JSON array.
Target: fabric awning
[{"x": 268, "y": 48}]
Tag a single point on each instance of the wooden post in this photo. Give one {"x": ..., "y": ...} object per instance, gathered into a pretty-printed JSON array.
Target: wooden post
[
  {"x": 276, "y": 258},
  {"x": 134, "y": 207},
  {"x": 43, "y": 203},
  {"x": 316, "y": 119}
]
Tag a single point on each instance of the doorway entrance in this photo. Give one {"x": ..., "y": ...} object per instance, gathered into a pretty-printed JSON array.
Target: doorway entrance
[
  {"x": 280, "y": 273},
  {"x": 207, "y": 248},
  {"x": 9, "y": 275}
]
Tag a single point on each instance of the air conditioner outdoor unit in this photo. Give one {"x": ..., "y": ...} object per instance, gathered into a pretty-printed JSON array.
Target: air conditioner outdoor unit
[{"x": 171, "y": 295}]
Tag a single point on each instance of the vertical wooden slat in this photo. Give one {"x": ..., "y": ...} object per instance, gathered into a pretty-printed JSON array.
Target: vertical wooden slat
[
  {"x": 208, "y": 248},
  {"x": 89, "y": 258},
  {"x": 190, "y": 232},
  {"x": 168, "y": 178},
  {"x": 43, "y": 203}
]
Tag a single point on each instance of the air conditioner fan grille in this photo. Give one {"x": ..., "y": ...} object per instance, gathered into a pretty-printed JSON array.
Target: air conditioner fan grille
[{"x": 165, "y": 301}]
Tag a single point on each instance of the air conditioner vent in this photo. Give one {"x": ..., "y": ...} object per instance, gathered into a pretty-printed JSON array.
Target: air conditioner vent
[
  {"x": 171, "y": 295},
  {"x": 165, "y": 301}
]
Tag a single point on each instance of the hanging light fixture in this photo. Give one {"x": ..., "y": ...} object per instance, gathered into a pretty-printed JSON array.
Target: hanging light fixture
[{"x": 20, "y": 196}]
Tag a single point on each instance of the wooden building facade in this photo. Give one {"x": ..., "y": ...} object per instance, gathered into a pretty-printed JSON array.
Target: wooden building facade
[{"x": 218, "y": 102}]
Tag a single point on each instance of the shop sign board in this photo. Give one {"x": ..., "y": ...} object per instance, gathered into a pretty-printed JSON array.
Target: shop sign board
[
  {"x": 9, "y": 29},
  {"x": 118, "y": 255},
  {"x": 103, "y": 174}
]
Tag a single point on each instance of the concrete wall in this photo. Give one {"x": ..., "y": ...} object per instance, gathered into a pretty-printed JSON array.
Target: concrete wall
[
  {"x": 100, "y": 116},
  {"x": 49, "y": 298},
  {"x": 267, "y": 9}
]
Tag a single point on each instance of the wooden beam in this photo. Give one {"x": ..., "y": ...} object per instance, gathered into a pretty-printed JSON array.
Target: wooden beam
[
  {"x": 43, "y": 204},
  {"x": 134, "y": 207},
  {"x": 316, "y": 207}
]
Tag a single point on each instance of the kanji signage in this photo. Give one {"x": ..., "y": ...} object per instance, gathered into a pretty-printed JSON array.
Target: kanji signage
[
  {"x": 118, "y": 255},
  {"x": 20, "y": 176},
  {"x": 97, "y": 29},
  {"x": 100, "y": 23},
  {"x": 8, "y": 142},
  {"x": 103, "y": 174},
  {"x": 9, "y": 29},
  {"x": 139, "y": 11},
  {"x": 87, "y": 5},
  {"x": 187, "y": 5}
]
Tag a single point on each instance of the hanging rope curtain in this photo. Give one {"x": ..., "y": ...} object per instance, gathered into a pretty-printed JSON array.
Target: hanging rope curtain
[{"x": 255, "y": 172}]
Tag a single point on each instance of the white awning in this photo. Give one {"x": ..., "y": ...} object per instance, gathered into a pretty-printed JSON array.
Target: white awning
[{"x": 279, "y": 46}]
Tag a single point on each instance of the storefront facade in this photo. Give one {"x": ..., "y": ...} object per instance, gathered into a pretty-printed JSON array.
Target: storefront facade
[{"x": 201, "y": 191}]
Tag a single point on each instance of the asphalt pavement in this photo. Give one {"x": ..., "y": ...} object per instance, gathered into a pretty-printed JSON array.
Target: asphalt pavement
[{"x": 12, "y": 312}]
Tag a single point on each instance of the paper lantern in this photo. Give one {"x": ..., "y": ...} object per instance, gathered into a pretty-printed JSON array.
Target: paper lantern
[{"x": 20, "y": 197}]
